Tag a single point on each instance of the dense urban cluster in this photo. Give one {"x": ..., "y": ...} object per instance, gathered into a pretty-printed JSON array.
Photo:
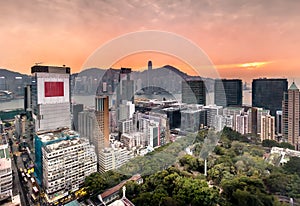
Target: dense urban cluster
[{"x": 132, "y": 150}]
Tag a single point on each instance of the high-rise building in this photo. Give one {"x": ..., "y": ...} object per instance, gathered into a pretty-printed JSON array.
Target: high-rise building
[
  {"x": 242, "y": 123},
  {"x": 260, "y": 112},
  {"x": 126, "y": 110},
  {"x": 76, "y": 108},
  {"x": 193, "y": 91},
  {"x": 291, "y": 115},
  {"x": 87, "y": 124},
  {"x": 190, "y": 120},
  {"x": 50, "y": 97},
  {"x": 101, "y": 139},
  {"x": 126, "y": 126},
  {"x": 222, "y": 121},
  {"x": 125, "y": 90},
  {"x": 66, "y": 159},
  {"x": 149, "y": 65},
  {"x": 228, "y": 92},
  {"x": 278, "y": 124},
  {"x": 268, "y": 93},
  {"x": 212, "y": 111},
  {"x": 174, "y": 117},
  {"x": 267, "y": 127},
  {"x": 233, "y": 111},
  {"x": 6, "y": 178}
]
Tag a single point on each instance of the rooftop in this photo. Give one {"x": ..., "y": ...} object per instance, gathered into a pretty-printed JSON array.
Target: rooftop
[
  {"x": 5, "y": 161},
  {"x": 119, "y": 186},
  {"x": 65, "y": 143},
  {"x": 293, "y": 86},
  {"x": 47, "y": 136}
]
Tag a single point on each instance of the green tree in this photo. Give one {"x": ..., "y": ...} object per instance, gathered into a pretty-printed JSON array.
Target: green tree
[
  {"x": 246, "y": 189},
  {"x": 195, "y": 192},
  {"x": 95, "y": 183},
  {"x": 286, "y": 145},
  {"x": 269, "y": 143},
  {"x": 293, "y": 166}
]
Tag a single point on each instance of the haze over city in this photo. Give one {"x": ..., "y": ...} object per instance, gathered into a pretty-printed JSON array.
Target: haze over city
[{"x": 243, "y": 39}]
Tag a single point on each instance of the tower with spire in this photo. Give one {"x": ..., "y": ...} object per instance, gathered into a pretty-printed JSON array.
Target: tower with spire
[{"x": 291, "y": 115}]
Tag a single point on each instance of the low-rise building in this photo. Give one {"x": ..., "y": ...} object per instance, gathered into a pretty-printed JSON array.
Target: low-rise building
[{"x": 113, "y": 157}]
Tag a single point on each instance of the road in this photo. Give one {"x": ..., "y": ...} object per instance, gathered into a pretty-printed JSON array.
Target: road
[{"x": 19, "y": 186}]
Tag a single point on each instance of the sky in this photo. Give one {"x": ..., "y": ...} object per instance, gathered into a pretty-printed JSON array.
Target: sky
[{"x": 243, "y": 39}]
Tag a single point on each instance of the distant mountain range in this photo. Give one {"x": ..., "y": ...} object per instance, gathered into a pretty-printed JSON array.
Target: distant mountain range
[
  {"x": 13, "y": 81},
  {"x": 11, "y": 74},
  {"x": 87, "y": 80}
]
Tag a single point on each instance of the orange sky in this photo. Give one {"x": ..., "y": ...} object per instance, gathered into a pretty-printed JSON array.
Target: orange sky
[{"x": 231, "y": 33}]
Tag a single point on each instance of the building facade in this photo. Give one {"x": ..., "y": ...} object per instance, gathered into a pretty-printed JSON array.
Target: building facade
[
  {"x": 50, "y": 97},
  {"x": 228, "y": 92},
  {"x": 193, "y": 91},
  {"x": 290, "y": 116},
  {"x": 111, "y": 158},
  {"x": 6, "y": 177},
  {"x": 268, "y": 93},
  {"x": 62, "y": 160},
  {"x": 66, "y": 164},
  {"x": 267, "y": 127}
]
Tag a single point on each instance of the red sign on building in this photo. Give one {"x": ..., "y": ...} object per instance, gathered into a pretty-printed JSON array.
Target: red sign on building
[{"x": 54, "y": 89}]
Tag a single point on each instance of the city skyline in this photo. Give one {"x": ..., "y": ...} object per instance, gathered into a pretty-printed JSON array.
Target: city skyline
[{"x": 243, "y": 39}]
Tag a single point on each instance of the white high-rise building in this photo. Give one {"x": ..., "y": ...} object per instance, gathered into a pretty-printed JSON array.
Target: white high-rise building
[
  {"x": 50, "y": 97},
  {"x": 126, "y": 110},
  {"x": 222, "y": 121},
  {"x": 212, "y": 111},
  {"x": 261, "y": 112},
  {"x": 126, "y": 126},
  {"x": 66, "y": 163},
  {"x": 233, "y": 111},
  {"x": 242, "y": 123}
]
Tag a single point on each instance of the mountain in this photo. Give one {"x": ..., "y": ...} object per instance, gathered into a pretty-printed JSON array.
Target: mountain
[
  {"x": 13, "y": 81},
  {"x": 11, "y": 74}
]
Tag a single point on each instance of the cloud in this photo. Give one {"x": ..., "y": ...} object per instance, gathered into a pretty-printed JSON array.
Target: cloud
[{"x": 230, "y": 30}]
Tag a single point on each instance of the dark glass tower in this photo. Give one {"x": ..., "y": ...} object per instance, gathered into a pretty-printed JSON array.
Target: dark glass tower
[
  {"x": 228, "y": 92},
  {"x": 268, "y": 93},
  {"x": 193, "y": 91}
]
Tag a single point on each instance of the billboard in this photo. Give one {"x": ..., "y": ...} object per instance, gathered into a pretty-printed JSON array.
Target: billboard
[{"x": 53, "y": 88}]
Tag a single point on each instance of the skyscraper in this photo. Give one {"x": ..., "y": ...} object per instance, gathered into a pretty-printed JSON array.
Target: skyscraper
[
  {"x": 102, "y": 127},
  {"x": 76, "y": 108},
  {"x": 278, "y": 129},
  {"x": 149, "y": 65},
  {"x": 125, "y": 90},
  {"x": 193, "y": 91},
  {"x": 228, "y": 92},
  {"x": 290, "y": 116},
  {"x": 268, "y": 93},
  {"x": 50, "y": 97}
]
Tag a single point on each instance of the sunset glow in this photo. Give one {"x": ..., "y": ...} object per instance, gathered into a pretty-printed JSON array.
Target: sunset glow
[{"x": 243, "y": 39}]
